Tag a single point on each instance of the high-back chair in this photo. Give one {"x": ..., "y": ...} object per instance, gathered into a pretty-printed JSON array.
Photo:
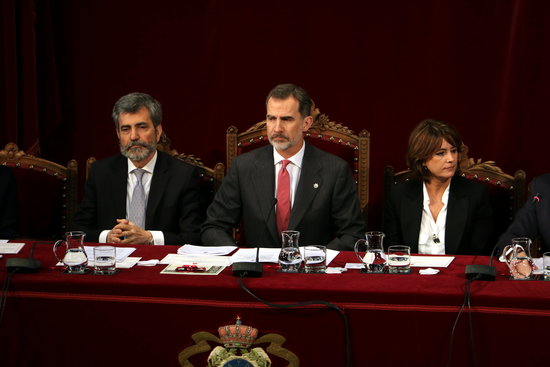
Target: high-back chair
[
  {"x": 325, "y": 134},
  {"x": 46, "y": 191},
  {"x": 507, "y": 192}
]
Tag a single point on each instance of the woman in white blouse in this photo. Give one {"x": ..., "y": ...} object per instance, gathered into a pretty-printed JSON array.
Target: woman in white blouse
[{"x": 439, "y": 212}]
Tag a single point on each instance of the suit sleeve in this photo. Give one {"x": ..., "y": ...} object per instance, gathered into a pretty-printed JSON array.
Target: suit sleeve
[
  {"x": 391, "y": 223},
  {"x": 346, "y": 212},
  {"x": 225, "y": 211},
  {"x": 190, "y": 212},
  {"x": 525, "y": 223},
  {"x": 482, "y": 224},
  {"x": 86, "y": 216}
]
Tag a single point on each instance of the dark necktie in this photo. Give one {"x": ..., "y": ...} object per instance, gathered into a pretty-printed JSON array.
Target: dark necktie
[
  {"x": 283, "y": 198},
  {"x": 138, "y": 203}
]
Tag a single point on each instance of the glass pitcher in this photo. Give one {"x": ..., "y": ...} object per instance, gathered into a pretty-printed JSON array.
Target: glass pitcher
[
  {"x": 374, "y": 258},
  {"x": 518, "y": 258},
  {"x": 71, "y": 252},
  {"x": 290, "y": 258}
]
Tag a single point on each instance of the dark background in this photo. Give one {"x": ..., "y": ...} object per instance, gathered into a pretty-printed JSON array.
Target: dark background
[{"x": 382, "y": 65}]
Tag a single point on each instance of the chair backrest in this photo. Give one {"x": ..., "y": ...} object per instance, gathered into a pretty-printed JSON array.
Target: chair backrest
[
  {"x": 507, "y": 192},
  {"x": 47, "y": 194},
  {"x": 324, "y": 134}
]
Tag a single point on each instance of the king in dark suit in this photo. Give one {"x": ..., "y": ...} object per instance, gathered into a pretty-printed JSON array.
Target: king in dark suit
[
  {"x": 324, "y": 206},
  {"x": 171, "y": 204}
]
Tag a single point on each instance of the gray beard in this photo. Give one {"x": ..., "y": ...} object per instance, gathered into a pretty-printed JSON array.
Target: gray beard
[{"x": 140, "y": 154}]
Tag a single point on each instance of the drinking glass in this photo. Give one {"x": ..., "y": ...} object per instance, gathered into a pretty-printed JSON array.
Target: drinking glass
[
  {"x": 104, "y": 260},
  {"x": 546, "y": 265},
  {"x": 315, "y": 259},
  {"x": 290, "y": 257},
  {"x": 399, "y": 259}
]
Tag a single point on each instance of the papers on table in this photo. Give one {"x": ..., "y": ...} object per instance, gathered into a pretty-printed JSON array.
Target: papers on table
[
  {"x": 203, "y": 260},
  {"x": 270, "y": 255},
  {"x": 11, "y": 248},
  {"x": 417, "y": 261},
  {"x": 431, "y": 261},
  {"x": 205, "y": 250},
  {"x": 126, "y": 264},
  {"x": 121, "y": 252}
]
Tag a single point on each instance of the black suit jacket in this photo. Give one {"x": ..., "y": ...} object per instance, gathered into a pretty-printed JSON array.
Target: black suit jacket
[
  {"x": 469, "y": 221},
  {"x": 533, "y": 219},
  {"x": 174, "y": 205},
  {"x": 326, "y": 208}
]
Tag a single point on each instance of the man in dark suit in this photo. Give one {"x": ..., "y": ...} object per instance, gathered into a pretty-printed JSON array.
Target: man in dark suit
[
  {"x": 321, "y": 202},
  {"x": 533, "y": 219},
  {"x": 141, "y": 196}
]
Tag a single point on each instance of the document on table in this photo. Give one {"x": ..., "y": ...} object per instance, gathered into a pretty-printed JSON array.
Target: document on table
[
  {"x": 269, "y": 255},
  {"x": 431, "y": 261},
  {"x": 248, "y": 255},
  {"x": 121, "y": 252},
  {"x": 11, "y": 248},
  {"x": 126, "y": 264},
  {"x": 205, "y": 250},
  {"x": 194, "y": 259}
]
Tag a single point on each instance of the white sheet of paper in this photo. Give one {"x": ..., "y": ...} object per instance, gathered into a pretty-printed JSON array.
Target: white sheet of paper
[
  {"x": 267, "y": 255},
  {"x": 4, "y": 241},
  {"x": 203, "y": 259},
  {"x": 126, "y": 264},
  {"x": 121, "y": 252},
  {"x": 431, "y": 261},
  {"x": 205, "y": 250},
  {"x": 11, "y": 248}
]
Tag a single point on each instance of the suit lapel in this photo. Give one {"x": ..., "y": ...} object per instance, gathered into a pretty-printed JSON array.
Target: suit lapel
[
  {"x": 263, "y": 183},
  {"x": 308, "y": 185},
  {"x": 411, "y": 215},
  {"x": 159, "y": 181},
  {"x": 119, "y": 184},
  {"x": 457, "y": 212}
]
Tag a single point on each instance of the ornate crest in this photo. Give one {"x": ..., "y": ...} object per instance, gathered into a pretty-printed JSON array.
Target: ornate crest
[{"x": 237, "y": 350}]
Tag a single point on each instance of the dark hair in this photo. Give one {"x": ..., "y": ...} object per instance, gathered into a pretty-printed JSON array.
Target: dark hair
[
  {"x": 283, "y": 91},
  {"x": 425, "y": 140},
  {"x": 131, "y": 103}
]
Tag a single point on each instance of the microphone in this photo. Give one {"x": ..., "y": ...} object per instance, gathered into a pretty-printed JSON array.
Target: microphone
[
  {"x": 255, "y": 269},
  {"x": 536, "y": 198},
  {"x": 23, "y": 265},
  {"x": 482, "y": 272}
]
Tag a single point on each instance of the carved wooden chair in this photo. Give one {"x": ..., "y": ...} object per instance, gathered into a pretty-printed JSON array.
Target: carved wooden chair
[
  {"x": 47, "y": 193},
  {"x": 324, "y": 134},
  {"x": 507, "y": 192},
  {"x": 237, "y": 345}
]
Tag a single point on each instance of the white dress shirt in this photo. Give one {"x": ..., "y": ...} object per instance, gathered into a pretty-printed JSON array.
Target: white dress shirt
[
  {"x": 158, "y": 236},
  {"x": 431, "y": 229}
]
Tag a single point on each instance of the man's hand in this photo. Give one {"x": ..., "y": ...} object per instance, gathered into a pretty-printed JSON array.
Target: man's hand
[{"x": 128, "y": 233}]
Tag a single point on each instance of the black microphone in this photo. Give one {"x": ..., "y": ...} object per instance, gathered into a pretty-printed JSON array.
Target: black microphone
[
  {"x": 482, "y": 272},
  {"x": 255, "y": 269},
  {"x": 23, "y": 265}
]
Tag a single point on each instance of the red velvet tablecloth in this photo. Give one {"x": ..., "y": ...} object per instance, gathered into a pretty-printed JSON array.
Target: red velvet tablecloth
[{"x": 143, "y": 318}]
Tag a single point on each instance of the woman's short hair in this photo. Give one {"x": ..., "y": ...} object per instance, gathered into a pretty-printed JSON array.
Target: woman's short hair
[{"x": 425, "y": 140}]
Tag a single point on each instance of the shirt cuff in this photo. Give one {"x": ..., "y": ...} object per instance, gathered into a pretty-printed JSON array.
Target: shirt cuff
[
  {"x": 158, "y": 238},
  {"x": 103, "y": 236}
]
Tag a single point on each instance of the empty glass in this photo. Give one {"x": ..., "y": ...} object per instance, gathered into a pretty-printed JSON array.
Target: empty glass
[{"x": 290, "y": 257}]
